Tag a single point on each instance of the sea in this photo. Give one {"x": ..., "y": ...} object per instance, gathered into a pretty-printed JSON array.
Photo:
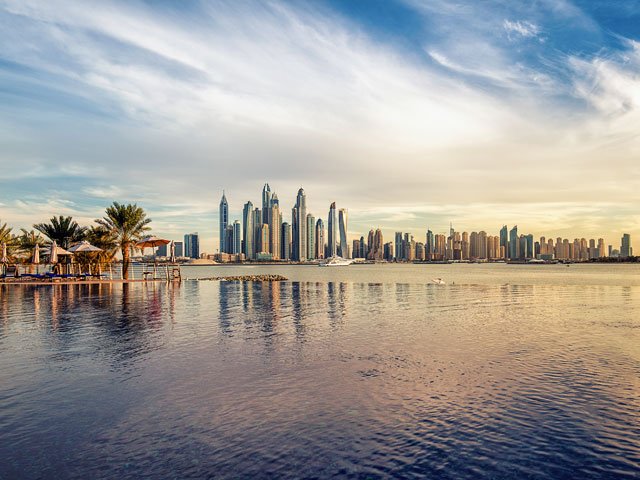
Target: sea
[{"x": 359, "y": 372}]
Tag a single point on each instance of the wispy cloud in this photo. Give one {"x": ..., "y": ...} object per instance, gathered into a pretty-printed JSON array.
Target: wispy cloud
[
  {"x": 521, "y": 28},
  {"x": 166, "y": 107}
]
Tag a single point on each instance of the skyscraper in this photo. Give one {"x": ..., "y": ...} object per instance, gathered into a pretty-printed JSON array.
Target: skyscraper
[
  {"x": 333, "y": 230},
  {"x": 504, "y": 240},
  {"x": 192, "y": 245},
  {"x": 344, "y": 247},
  {"x": 285, "y": 241},
  {"x": 248, "y": 234},
  {"x": 266, "y": 202},
  {"x": 237, "y": 238},
  {"x": 398, "y": 247},
  {"x": 320, "y": 239},
  {"x": 513, "y": 243},
  {"x": 274, "y": 222},
  {"x": 224, "y": 221},
  {"x": 311, "y": 236},
  {"x": 301, "y": 226},
  {"x": 625, "y": 247},
  {"x": 428, "y": 247},
  {"x": 179, "y": 248}
]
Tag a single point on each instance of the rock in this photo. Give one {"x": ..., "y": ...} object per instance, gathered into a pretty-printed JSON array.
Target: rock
[{"x": 249, "y": 278}]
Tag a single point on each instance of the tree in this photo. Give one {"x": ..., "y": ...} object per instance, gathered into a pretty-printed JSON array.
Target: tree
[
  {"x": 5, "y": 234},
  {"x": 102, "y": 238},
  {"x": 8, "y": 238},
  {"x": 27, "y": 241},
  {"x": 127, "y": 224},
  {"x": 64, "y": 230}
]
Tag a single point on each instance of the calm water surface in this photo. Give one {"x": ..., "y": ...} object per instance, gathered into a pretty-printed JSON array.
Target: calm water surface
[{"x": 357, "y": 372}]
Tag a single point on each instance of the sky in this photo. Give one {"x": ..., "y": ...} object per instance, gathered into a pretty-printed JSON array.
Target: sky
[{"x": 409, "y": 113}]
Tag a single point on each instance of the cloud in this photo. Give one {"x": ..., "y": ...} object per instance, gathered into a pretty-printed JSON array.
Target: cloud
[
  {"x": 522, "y": 28},
  {"x": 166, "y": 108}
]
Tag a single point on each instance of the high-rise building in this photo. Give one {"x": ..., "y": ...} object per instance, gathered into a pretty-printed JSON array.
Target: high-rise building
[
  {"x": 285, "y": 242},
  {"x": 376, "y": 251},
  {"x": 266, "y": 203},
  {"x": 274, "y": 220},
  {"x": 192, "y": 245},
  {"x": 311, "y": 236},
  {"x": 320, "y": 241},
  {"x": 237, "y": 238},
  {"x": 300, "y": 237},
  {"x": 356, "y": 248},
  {"x": 514, "y": 243},
  {"x": 248, "y": 231},
  {"x": 224, "y": 221},
  {"x": 601, "y": 248},
  {"x": 161, "y": 251},
  {"x": 504, "y": 239},
  {"x": 333, "y": 230},
  {"x": 179, "y": 249},
  {"x": 398, "y": 247},
  {"x": 429, "y": 245},
  {"x": 625, "y": 247},
  {"x": 529, "y": 244},
  {"x": 363, "y": 249},
  {"x": 342, "y": 219},
  {"x": 263, "y": 244}
]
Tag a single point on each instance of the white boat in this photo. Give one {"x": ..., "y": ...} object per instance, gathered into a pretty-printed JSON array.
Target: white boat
[
  {"x": 336, "y": 261},
  {"x": 438, "y": 281}
]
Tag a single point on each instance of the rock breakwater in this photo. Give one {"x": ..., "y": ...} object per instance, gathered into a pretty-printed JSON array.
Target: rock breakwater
[{"x": 247, "y": 278}]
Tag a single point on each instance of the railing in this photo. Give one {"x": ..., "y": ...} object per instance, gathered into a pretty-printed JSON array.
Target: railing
[{"x": 108, "y": 271}]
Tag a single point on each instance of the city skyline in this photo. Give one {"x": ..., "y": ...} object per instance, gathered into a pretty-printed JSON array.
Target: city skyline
[
  {"x": 255, "y": 239},
  {"x": 409, "y": 113}
]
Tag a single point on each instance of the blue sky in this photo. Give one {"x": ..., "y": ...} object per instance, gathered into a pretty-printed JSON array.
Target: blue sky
[{"x": 409, "y": 113}]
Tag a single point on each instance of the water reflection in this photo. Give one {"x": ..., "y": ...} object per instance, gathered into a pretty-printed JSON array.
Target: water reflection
[{"x": 319, "y": 379}]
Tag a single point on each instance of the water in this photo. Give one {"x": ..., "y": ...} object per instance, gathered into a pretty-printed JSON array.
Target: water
[{"x": 511, "y": 372}]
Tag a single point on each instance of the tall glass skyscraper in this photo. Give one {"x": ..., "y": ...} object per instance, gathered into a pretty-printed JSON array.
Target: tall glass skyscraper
[
  {"x": 514, "y": 243},
  {"x": 248, "y": 230},
  {"x": 319, "y": 239},
  {"x": 285, "y": 242},
  {"x": 311, "y": 236},
  {"x": 625, "y": 247},
  {"x": 504, "y": 240},
  {"x": 237, "y": 238},
  {"x": 344, "y": 248},
  {"x": 301, "y": 226},
  {"x": 333, "y": 230},
  {"x": 224, "y": 221},
  {"x": 192, "y": 245},
  {"x": 266, "y": 202}
]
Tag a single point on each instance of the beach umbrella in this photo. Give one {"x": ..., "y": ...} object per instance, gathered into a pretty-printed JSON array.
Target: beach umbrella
[
  {"x": 172, "y": 251},
  {"x": 84, "y": 246},
  {"x": 53, "y": 254},
  {"x": 151, "y": 241},
  {"x": 36, "y": 255}
]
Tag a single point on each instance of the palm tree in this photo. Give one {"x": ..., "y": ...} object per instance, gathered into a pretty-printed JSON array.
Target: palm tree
[
  {"x": 5, "y": 233},
  {"x": 104, "y": 239},
  {"x": 64, "y": 230},
  {"x": 127, "y": 223},
  {"x": 27, "y": 241},
  {"x": 8, "y": 238}
]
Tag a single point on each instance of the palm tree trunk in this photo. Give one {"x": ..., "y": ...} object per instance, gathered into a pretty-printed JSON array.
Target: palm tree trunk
[{"x": 125, "y": 262}]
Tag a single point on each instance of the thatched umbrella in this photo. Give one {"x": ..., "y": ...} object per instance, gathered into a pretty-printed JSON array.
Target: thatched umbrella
[{"x": 84, "y": 247}]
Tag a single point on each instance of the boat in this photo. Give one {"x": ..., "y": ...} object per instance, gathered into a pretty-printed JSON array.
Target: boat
[
  {"x": 336, "y": 261},
  {"x": 438, "y": 281}
]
